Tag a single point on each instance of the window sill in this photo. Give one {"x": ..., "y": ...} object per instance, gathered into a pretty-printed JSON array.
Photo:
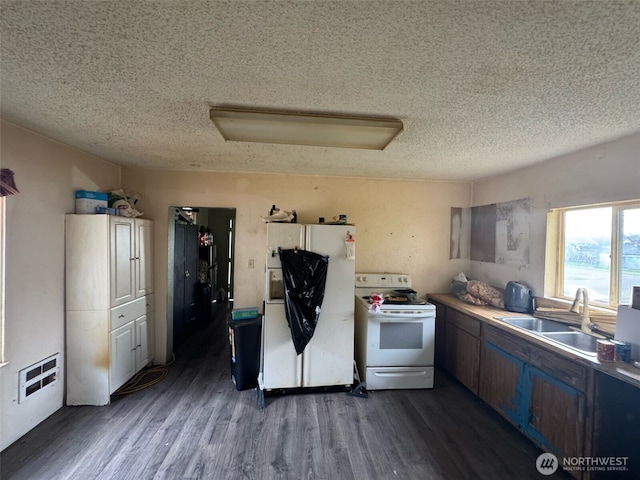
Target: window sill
[
  {"x": 563, "y": 303},
  {"x": 604, "y": 318}
]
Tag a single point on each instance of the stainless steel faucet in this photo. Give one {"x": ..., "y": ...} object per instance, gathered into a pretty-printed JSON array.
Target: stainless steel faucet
[{"x": 585, "y": 325}]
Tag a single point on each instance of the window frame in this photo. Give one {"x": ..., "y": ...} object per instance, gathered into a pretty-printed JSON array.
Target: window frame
[{"x": 617, "y": 208}]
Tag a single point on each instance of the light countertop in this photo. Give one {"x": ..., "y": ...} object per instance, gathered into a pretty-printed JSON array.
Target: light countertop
[{"x": 623, "y": 371}]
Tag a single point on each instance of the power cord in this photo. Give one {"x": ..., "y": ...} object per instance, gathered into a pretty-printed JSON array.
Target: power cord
[{"x": 136, "y": 383}]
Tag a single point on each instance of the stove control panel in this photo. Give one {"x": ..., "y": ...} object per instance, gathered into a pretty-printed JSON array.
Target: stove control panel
[{"x": 383, "y": 280}]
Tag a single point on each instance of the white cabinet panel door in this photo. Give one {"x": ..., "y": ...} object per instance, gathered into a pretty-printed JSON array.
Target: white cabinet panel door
[
  {"x": 144, "y": 260},
  {"x": 123, "y": 355},
  {"x": 122, "y": 261},
  {"x": 142, "y": 342}
]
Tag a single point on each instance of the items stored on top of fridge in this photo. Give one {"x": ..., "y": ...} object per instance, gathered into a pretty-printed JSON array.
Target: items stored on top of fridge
[{"x": 278, "y": 215}]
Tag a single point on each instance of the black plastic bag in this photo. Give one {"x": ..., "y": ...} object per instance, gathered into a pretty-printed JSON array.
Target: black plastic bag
[{"x": 304, "y": 275}]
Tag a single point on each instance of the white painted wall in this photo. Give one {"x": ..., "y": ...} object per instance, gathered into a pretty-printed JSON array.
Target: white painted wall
[
  {"x": 604, "y": 173},
  {"x": 47, "y": 174},
  {"x": 402, "y": 226}
]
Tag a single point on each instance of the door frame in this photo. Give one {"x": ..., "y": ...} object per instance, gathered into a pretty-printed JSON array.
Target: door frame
[{"x": 223, "y": 214}]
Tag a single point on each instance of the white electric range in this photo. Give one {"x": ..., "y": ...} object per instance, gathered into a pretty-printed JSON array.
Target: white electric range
[{"x": 395, "y": 344}]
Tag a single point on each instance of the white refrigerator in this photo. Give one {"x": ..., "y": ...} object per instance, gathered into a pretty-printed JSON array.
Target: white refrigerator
[{"x": 327, "y": 360}]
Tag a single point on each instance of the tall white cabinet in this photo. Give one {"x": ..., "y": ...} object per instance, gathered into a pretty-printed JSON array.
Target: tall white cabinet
[{"x": 109, "y": 304}]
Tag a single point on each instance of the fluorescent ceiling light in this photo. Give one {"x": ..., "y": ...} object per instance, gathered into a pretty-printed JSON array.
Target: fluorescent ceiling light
[{"x": 267, "y": 126}]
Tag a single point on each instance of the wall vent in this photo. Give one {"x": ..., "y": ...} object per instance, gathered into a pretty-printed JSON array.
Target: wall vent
[{"x": 39, "y": 376}]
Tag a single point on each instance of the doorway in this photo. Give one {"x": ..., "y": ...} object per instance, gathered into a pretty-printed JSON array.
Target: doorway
[{"x": 201, "y": 243}]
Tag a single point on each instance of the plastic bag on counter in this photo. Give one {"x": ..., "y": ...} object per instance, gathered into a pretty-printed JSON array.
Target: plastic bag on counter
[
  {"x": 304, "y": 276},
  {"x": 459, "y": 284},
  {"x": 481, "y": 293}
]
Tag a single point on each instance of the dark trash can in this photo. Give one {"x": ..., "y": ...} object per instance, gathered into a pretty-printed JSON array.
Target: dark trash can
[{"x": 244, "y": 340}]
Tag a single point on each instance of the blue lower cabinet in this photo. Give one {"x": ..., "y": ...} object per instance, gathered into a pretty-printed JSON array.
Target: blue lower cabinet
[
  {"x": 556, "y": 413},
  {"x": 500, "y": 387},
  {"x": 547, "y": 410}
]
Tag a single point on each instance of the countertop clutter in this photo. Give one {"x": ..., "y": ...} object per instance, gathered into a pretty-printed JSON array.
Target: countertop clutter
[{"x": 624, "y": 371}]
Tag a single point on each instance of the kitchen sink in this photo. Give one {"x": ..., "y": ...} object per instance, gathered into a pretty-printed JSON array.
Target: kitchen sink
[
  {"x": 556, "y": 332},
  {"x": 534, "y": 324},
  {"x": 582, "y": 342}
]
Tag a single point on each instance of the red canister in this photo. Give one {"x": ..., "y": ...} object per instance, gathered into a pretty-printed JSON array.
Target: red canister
[{"x": 606, "y": 351}]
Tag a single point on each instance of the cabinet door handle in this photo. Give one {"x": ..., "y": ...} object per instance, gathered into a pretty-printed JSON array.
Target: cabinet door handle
[
  {"x": 186, "y": 273},
  {"x": 121, "y": 315}
]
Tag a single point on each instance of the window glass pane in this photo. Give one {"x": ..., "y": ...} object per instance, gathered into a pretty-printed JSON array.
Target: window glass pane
[
  {"x": 630, "y": 254},
  {"x": 587, "y": 252}
]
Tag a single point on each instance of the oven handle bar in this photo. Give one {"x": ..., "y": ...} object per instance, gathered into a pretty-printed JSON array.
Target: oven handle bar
[
  {"x": 383, "y": 316},
  {"x": 401, "y": 373}
]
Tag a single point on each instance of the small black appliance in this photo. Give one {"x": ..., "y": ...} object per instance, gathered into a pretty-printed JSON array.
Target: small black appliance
[{"x": 518, "y": 298}]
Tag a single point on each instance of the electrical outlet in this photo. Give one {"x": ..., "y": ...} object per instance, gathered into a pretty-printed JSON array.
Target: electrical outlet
[{"x": 250, "y": 263}]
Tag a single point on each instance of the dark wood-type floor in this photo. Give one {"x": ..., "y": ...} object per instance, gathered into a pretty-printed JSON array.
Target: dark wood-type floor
[{"x": 196, "y": 425}]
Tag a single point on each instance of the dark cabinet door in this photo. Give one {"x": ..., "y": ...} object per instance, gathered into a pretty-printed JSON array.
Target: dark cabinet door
[
  {"x": 440, "y": 345},
  {"x": 549, "y": 411},
  {"x": 616, "y": 431},
  {"x": 499, "y": 376},
  {"x": 192, "y": 254},
  {"x": 462, "y": 348},
  {"x": 463, "y": 356},
  {"x": 178, "y": 285},
  {"x": 185, "y": 279},
  {"x": 556, "y": 414}
]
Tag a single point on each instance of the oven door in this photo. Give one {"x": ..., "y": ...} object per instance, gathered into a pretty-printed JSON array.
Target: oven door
[{"x": 400, "y": 338}]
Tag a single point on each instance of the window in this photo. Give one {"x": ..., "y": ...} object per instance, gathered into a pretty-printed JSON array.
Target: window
[{"x": 600, "y": 251}]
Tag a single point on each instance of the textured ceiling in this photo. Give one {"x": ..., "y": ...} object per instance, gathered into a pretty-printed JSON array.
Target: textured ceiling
[{"x": 482, "y": 87}]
